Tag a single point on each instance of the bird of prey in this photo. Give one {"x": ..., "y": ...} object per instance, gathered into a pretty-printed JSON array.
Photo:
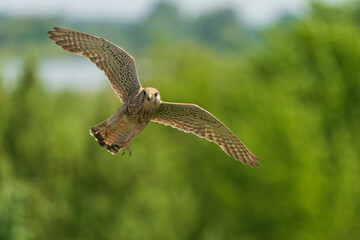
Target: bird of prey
[{"x": 141, "y": 105}]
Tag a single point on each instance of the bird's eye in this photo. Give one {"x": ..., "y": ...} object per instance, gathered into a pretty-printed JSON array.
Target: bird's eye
[
  {"x": 156, "y": 94},
  {"x": 144, "y": 93}
]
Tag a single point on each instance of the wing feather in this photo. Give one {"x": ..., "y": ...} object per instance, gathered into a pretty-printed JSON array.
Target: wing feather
[
  {"x": 117, "y": 64},
  {"x": 191, "y": 118}
]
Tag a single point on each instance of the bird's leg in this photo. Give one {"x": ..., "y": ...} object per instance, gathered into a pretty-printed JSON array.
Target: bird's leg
[
  {"x": 126, "y": 144},
  {"x": 128, "y": 148}
]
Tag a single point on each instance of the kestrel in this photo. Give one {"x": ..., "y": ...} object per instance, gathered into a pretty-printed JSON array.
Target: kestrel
[{"x": 141, "y": 105}]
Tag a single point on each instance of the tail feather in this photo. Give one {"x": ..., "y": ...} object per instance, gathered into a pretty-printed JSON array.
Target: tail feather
[
  {"x": 110, "y": 138},
  {"x": 97, "y": 131},
  {"x": 98, "y": 136}
]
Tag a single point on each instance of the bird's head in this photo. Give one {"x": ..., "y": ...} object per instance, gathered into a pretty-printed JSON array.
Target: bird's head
[{"x": 150, "y": 96}]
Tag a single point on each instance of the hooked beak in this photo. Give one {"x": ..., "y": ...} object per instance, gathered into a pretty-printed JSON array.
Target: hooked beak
[{"x": 149, "y": 97}]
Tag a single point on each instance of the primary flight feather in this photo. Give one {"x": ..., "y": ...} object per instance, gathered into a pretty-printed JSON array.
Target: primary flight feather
[{"x": 142, "y": 105}]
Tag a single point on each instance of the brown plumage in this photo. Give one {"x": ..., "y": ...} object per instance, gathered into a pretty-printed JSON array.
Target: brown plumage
[
  {"x": 143, "y": 104},
  {"x": 118, "y": 65}
]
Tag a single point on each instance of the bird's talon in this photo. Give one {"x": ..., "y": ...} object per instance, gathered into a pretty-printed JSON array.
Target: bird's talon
[{"x": 126, "y": 144}]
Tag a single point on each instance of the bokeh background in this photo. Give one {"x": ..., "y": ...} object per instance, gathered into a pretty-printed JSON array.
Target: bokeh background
[{"x": 284, "y": 77}]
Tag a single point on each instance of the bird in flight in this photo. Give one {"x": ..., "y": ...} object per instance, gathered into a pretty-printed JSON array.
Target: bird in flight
[{"x": 141, "y": 105}]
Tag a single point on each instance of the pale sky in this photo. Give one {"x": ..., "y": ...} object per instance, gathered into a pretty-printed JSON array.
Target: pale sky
[{"x": 254, "y": 12}]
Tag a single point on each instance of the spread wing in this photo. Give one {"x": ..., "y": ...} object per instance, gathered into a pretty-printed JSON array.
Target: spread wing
[
  {"x": 194, "y": 119},
  {"x": 118, "y": 65}
]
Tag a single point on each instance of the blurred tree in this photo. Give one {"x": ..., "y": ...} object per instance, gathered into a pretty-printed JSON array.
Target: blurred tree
[
  {"x": 220, "y": 28},
  {"x": 293, "y": 99},
  {"x": 164, "y": 24}
]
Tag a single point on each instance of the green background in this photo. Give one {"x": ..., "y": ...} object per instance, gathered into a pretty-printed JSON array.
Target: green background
[{"x": 290, "y": 91}]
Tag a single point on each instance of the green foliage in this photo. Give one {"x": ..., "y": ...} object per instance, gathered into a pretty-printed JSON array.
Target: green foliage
[
  {"x": 163, "y": 26},
  {"x": 293, "y": 100}
]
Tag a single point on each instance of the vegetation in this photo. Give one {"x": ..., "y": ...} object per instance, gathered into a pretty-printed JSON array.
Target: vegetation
[
  {"x": 164, "y": 25},
  {"x": 293, "y": 99}
]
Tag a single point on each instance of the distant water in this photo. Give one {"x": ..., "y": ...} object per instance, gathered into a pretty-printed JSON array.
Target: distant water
[{"x": 57, "y": 73}]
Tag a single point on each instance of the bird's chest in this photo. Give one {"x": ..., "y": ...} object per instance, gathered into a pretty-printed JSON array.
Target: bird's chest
[{"x": 139, "y": 114}]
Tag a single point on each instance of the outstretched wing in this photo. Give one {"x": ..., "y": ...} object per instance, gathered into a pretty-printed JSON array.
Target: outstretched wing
[
  {"x": 118, "y": 65},
  {"x": 194, "y": 119}
]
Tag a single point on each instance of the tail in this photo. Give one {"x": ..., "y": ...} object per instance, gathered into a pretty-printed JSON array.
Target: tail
[
  {"x": 113, "y": 140},
  {"x": 98, "y": 132}
]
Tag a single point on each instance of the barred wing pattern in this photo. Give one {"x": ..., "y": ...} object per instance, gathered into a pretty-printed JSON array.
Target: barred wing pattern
[
  {"x": 117, "y": 64},
  {"x": 194, "y": 119}
]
